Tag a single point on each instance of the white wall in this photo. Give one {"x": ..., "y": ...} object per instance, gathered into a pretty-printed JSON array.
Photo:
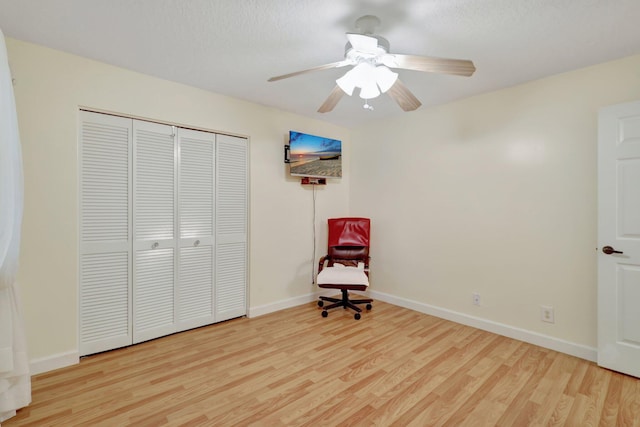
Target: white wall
[
  {"x": 50, "y": 88},
  {"x": 493, "y": 194}
]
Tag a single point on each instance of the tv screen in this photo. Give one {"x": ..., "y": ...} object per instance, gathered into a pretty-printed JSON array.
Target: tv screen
[{"x": 314, "y": 156}]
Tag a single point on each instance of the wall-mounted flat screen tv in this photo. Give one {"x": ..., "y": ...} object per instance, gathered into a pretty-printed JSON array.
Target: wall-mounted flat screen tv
[{"x": 314, "y": 156}]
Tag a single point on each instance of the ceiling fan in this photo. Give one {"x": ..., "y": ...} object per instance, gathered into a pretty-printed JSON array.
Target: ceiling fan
[{"x": 369, "y": 56}]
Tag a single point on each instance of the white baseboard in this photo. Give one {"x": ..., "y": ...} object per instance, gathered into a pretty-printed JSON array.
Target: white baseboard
[
  {"x": 62, "y": 360},
  {"x": 281, "y": 305},
  {"x": 546, "y": 341},
  {"x": 57, "y": 361},
  {"x": 288, "y": 303}
]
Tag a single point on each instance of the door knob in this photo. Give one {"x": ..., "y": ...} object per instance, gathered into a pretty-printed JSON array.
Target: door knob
[{"x": 609, "y": 250}]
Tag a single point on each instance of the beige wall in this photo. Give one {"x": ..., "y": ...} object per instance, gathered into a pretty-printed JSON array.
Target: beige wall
[
  {"x": 493, "y": 194},
  {"x": 50, "y": 87}
]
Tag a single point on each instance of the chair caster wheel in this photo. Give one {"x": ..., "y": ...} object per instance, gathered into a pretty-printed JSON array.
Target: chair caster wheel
[
  {"x": 320, "y": 303},
  {"x": 325, "y": 313},
  {"x": 356, "y": 316},
  {"x": 369, "y": 306}
]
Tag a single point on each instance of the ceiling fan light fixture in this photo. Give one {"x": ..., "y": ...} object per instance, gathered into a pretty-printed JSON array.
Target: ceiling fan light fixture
[
  {"x": 347, "y": 83},
  {"x": 385, "y": 78},
  {"x": 371, "y": 80},
  {"x": 369, "y": 90},
  {"x": 356, "y": 77}
]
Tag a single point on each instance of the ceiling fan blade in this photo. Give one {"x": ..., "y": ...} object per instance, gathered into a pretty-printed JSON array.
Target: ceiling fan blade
[
  {"x": 362, "y": 42},
  {"x": 335, "y": 96},
  {"x": 309, "y": 70},
  {"x": 403, "y": 96},
  {"x": 460, "y": 67}
]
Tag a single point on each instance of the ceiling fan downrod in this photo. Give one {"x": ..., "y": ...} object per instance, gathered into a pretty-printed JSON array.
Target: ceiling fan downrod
[{"x": 367, "y": 24}]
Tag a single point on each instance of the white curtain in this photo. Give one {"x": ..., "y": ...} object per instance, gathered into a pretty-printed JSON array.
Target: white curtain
[{"x": 15, "y": 382}]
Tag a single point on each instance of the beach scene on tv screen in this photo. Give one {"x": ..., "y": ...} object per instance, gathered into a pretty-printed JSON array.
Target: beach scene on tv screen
[{"x": 315, "y": 156}]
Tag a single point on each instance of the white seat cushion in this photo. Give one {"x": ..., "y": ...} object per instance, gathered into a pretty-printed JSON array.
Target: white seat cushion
[{"x": 341, "y": 275}]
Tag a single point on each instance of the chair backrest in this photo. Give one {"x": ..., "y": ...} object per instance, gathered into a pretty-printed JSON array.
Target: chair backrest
[{"x": 348, "y": 240}]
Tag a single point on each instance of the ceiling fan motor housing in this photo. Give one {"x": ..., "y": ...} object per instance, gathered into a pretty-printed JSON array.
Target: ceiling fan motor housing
[{"x": 357, "y": 55}]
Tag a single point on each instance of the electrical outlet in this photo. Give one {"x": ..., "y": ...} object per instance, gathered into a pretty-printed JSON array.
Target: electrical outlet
[
  {"x": 476, "y": 298},
  {"x": 546, "y": 314}
]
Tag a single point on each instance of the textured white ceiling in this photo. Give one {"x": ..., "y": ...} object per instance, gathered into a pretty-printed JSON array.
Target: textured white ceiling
[{"x": 233, "y": 46}]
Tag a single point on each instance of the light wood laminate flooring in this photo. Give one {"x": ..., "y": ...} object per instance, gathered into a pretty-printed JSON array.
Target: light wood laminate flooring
[{"x": 294, "y": 368}]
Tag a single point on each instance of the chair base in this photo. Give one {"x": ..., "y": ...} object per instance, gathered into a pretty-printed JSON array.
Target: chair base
[{"x": 344, "y": 302}]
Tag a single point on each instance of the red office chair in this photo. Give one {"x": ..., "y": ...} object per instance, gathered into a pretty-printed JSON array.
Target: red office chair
[{"x": 347, "y": 263}]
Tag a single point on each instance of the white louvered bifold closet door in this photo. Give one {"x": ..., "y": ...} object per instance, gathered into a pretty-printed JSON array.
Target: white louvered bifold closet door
[
  {"x": 105, "y": 232},
  {"x": 196, "y": 224},
  {"x": 154, "y": 230},
  {"x": 163, "y": 230},
  {"x": 231, "y": 227}
]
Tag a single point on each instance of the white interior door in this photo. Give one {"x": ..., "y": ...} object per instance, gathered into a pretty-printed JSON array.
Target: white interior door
[
  {"x": 196, "y": 217},
  {"x": 154, "y": 230},
  {"x": 619, "y": 238}
]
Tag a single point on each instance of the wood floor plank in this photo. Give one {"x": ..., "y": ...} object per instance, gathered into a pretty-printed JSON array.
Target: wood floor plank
[
  {"x": 487, "y": 413},
  {"x": 561, "y": 411},
  {"x": 611, "y": 403},
  {"x": 294, "y": 368},
  {"x": 488, "y": 382},
  {"x": 596, "y": 392},
  {"x": 629, "y": 407}
]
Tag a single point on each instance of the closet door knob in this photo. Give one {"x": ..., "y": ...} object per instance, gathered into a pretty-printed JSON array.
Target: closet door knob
[
  {"x": 196, "y": 243},
  {"x": 155, "y": 245}
]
